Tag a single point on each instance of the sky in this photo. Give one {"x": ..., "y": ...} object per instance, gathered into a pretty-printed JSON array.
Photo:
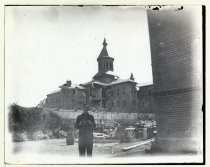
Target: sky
[{"x": 46, "y": 45}]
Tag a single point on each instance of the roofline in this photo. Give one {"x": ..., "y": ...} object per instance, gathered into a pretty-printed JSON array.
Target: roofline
[
  {"x": 105, "y": 57},
  {"x": 110, "y": 84},
  {"x": 146, "y": 85},
  {"x": 122, "y": 82},
  {"x": 54, "y": 92}
]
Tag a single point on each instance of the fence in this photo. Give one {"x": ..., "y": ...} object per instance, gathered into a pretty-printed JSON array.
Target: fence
[{"x": 100, "y": 115}]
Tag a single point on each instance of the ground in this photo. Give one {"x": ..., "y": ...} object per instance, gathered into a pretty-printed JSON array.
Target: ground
[
  {"x": 102, "y": 148},
  {"x": 56, "y": 151}
]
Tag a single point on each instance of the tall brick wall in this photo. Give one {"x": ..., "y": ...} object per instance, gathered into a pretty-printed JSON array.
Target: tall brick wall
[{"x": 175, "y": 40}]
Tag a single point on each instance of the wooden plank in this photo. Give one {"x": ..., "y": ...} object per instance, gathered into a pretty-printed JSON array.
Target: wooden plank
[{"x": 136, "y": 145}]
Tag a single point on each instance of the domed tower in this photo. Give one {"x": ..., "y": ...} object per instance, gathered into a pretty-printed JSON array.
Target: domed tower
[{"x": 105, "y": 66}]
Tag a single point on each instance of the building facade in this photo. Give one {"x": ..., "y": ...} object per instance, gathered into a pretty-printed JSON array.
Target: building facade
[
  {"x": 146, "y": 100},
  {"x": 67, "y": 97},
  {"x": 105, "y": 91}
]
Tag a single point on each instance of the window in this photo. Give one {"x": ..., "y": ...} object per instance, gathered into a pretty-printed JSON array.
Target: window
[
  {"x": 133, "y": 91},
  {"x": 124, "y": 103},
  {"x": 103, "y": 104},
  {"x": 134, "y": 102},
  {"x": 109, "y": 93},
  {"x": 106, "y": 65},
  {"x": 150, "y": 93}
]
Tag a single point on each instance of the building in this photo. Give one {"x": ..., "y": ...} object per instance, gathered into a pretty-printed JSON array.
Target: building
[
  {"x": 176, "y": 40},
  {"x": 146, "y": 102},
  {"x": 105, "y": 91},
  {"x": 68, "y": 96}
]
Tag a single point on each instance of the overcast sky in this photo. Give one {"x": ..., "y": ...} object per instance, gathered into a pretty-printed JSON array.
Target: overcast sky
[{"x": 45, "y": 46}]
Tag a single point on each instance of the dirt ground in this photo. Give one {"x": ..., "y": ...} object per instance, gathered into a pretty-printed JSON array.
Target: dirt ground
[
  {"x": 56, "y": 151},
  {"x": 102, "y": 148}
]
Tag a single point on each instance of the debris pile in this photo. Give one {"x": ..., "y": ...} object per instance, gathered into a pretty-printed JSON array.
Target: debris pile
[{"x": 141, "y": 130}]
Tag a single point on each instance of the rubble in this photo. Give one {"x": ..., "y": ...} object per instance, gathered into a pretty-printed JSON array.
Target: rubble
[
  {"x": 19, "y": 137},
  {"x": 39, "y": 135},
  {"x": 100, "y": 135}
]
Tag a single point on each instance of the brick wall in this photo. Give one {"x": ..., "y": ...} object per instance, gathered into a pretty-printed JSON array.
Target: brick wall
[{"x": 175, "y": 39}]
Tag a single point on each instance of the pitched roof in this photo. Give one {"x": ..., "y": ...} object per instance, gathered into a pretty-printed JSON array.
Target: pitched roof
[{"x": 102, "y": 73}]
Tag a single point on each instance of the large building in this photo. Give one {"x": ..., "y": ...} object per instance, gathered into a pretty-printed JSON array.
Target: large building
[
  {"x": 69, "y": 96},
  {"x": 106, "y": 90}
]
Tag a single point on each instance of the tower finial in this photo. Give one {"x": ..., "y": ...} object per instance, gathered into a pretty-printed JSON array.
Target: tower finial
[
  {"x": 131, "y": 77},
  {"x": 104, "y": 43}
]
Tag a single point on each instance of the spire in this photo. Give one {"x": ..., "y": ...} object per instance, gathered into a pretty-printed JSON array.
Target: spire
[
  {"x": 105, "y": 63},
  {"x": 131, "y": 77},
  {"x": 104, "y": 43},
  {"x": 104, "y": 52}
]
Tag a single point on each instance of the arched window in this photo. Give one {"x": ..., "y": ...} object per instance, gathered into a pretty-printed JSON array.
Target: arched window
[{"x": 106, "y": 65}]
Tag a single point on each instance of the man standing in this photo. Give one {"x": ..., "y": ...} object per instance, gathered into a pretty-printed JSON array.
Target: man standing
[{"x": 86, "y": 124}]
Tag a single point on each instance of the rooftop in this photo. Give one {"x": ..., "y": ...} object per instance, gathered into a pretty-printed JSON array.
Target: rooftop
[
  {"x": 73, "y": 86},
  {"x": 144, "y": 84},
  {"x": 54, "y": 92},
  {"x": 117, "y": 81}
]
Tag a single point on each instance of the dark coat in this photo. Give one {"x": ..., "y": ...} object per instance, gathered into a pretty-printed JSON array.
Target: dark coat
[{"x": 86, "y": 124}]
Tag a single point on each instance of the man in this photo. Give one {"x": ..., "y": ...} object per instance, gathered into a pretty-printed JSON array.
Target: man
[{"x": 86, "y": 124}]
